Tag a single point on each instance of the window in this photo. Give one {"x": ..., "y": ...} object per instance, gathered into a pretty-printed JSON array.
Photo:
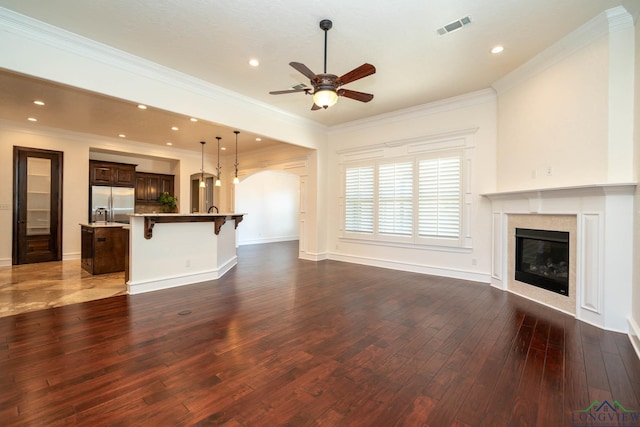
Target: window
[
  {"x": 439, "y": 197},
  {"x": 359, "y": 199},
  {"x": 414, "y": 200},
  {"x": 395, "y": 199}
]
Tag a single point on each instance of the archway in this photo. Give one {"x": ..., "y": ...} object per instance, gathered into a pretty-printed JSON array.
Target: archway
[{"x": 271, "y": 200}]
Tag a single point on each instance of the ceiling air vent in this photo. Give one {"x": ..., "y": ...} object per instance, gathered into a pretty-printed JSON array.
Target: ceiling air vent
[
  {"x": 299, "y": 86},
  {"x": 455, "y": 25}
]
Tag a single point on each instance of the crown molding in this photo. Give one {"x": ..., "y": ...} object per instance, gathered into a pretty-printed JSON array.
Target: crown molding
[
  {"x": 607, "y": 22},
  {"x": 448, "y": 104},
  {"x": 67, "y": 41}
]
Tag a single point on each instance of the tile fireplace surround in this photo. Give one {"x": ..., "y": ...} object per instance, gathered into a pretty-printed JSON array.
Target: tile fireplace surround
[{"x": 599, "y": 219}]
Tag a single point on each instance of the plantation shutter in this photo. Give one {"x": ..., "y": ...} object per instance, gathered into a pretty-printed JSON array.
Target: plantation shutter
[
  {"x": 439, "y": 197},
  {"x": 395, "y": 201},
  {"x": 359, "y": 205}
]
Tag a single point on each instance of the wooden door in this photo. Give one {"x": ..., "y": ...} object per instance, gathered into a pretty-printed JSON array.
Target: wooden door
[{"x": 37, "y": 205}]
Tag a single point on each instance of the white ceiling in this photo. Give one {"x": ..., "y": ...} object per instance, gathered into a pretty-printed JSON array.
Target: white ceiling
[{"x": 214, "y": 40}]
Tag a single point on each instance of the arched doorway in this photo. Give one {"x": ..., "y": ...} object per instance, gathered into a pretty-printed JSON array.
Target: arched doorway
[{"x": 271, "y": 200}]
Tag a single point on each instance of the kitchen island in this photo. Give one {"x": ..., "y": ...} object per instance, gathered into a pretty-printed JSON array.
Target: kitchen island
[{"x": 169, "y": 250}]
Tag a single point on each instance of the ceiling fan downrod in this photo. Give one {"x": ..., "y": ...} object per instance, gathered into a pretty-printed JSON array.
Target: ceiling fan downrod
[{"x": 325, "y": 25}]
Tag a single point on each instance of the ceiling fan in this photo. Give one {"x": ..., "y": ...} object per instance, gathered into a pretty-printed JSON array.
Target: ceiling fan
[{"x": 327, "y": 87}]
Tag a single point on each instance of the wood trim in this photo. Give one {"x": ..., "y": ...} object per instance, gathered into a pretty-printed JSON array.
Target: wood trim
[
  {"x": 151, "y": 220},
  {"x": 57, "y": 185}
]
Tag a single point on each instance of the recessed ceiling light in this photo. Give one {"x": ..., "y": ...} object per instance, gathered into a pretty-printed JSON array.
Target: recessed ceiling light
[
  {"x": 174, "y": 128},
  {"x": 497, "y": 49},
  {"x": 38, "y": 102},
  {"x": 223, "y": 148},
  {"x": 193, "y": 119},
  {"x": 169, "y": 143},
  {"x": 122, "y": 135},
  {"x": 258, "y": 139},
  {"x": 254, "y": 62},
  {"x": 142, "y": 106},
  {"x": 32, "y": 119}
]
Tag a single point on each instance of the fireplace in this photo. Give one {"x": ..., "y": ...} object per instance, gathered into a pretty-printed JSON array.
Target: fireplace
[{"x": 542, "y": 259}]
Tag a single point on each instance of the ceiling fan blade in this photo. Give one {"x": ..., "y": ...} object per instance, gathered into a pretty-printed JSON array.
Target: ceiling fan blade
[
  {"x": 362, "y": 71},
  {"x": 315, "y": 107},
  {"x": 304, "y": 70},
  {"x": 358, "y": 96},
  {"x": 280, "y": 92}
]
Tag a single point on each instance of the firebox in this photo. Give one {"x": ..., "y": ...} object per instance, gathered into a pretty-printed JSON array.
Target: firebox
[{"x": 542, "y": 259}]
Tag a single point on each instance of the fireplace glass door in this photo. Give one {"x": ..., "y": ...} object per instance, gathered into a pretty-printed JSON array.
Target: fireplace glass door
[{"x": 542, "y": 259}]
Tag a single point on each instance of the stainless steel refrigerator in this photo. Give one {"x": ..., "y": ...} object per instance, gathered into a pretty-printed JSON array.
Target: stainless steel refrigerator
[{"x": 118, "y": 202}]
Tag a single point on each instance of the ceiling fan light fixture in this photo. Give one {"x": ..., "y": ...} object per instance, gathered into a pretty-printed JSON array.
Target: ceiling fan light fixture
[{"x": 325, "y": 98}]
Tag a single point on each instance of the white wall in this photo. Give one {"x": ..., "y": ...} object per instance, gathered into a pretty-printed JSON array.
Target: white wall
[
  {"x": 564, "y": 118},
  {"x": 475, "y": 113},
  {"x": 271, "y": 200},
  {"x": 635, "y": 308}
]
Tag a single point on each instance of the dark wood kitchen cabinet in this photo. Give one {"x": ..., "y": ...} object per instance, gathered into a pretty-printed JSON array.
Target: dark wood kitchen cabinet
[
  {"x": 149, "y": 186},
  {"x": 103, "y": 249},
  {"x": 112, "y": 174}
]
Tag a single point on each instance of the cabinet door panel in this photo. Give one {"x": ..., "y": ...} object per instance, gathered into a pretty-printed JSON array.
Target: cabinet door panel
[
  {"x": 141, "y": 189},
  {"x": 166, "y": 184},
  {"x": 153, "y": 187},
  {"x": 124, "y": 176},
  {"x": 100, "y": 175}
]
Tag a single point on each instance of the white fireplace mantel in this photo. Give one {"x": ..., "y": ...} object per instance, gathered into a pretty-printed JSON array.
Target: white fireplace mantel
[{"x": 604, "y": 264}]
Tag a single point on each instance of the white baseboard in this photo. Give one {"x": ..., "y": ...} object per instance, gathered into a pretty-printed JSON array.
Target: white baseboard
[
  {"x": 634, "y": 336},
  {"x": 70, "y": 256},
  {"x": 5, "y": 262},
  {"x": 312, "y": 256},
  {"x": 271, "y": 240},
  {"x": 414, "y": 268},
  {"x": 182, "y": 280}
]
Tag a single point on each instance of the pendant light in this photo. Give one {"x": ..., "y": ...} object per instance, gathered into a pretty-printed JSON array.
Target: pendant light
[
  {"x": 202, "y": 183},
  {"x": 235, "y": 179},
  {"x": 218, "y": 169}
]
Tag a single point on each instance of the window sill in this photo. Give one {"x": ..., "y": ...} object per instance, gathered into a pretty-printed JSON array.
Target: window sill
[{"x": 418, "y": 246}]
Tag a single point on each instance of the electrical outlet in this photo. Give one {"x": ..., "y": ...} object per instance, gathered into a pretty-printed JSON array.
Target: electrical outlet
[
  {"x": 187, "y": 263},
  {"x": 549, "y": 171},
  {"x": 4, "y": 206}
]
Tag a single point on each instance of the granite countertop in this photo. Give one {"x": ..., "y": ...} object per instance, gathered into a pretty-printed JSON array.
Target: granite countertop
[
  {"x": 186, "y": 215},
  {"x": 103, "y": 224}
]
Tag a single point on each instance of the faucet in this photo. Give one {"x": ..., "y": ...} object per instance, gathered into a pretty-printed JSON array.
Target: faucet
[{"x": 213, "y": 207}]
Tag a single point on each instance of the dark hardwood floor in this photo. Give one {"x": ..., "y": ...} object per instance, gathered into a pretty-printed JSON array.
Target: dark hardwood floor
[{"x": 280, "y": 341}]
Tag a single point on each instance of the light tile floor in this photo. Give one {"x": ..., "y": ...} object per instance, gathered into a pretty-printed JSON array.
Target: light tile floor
[{"x": 32, "y": 287}]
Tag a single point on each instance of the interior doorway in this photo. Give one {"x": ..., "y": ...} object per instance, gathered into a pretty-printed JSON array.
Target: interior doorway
[
  {"x": 37, "y": 205},
  {"x": 201, "y": 192},
  {"x": 271, "y": 200}
]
